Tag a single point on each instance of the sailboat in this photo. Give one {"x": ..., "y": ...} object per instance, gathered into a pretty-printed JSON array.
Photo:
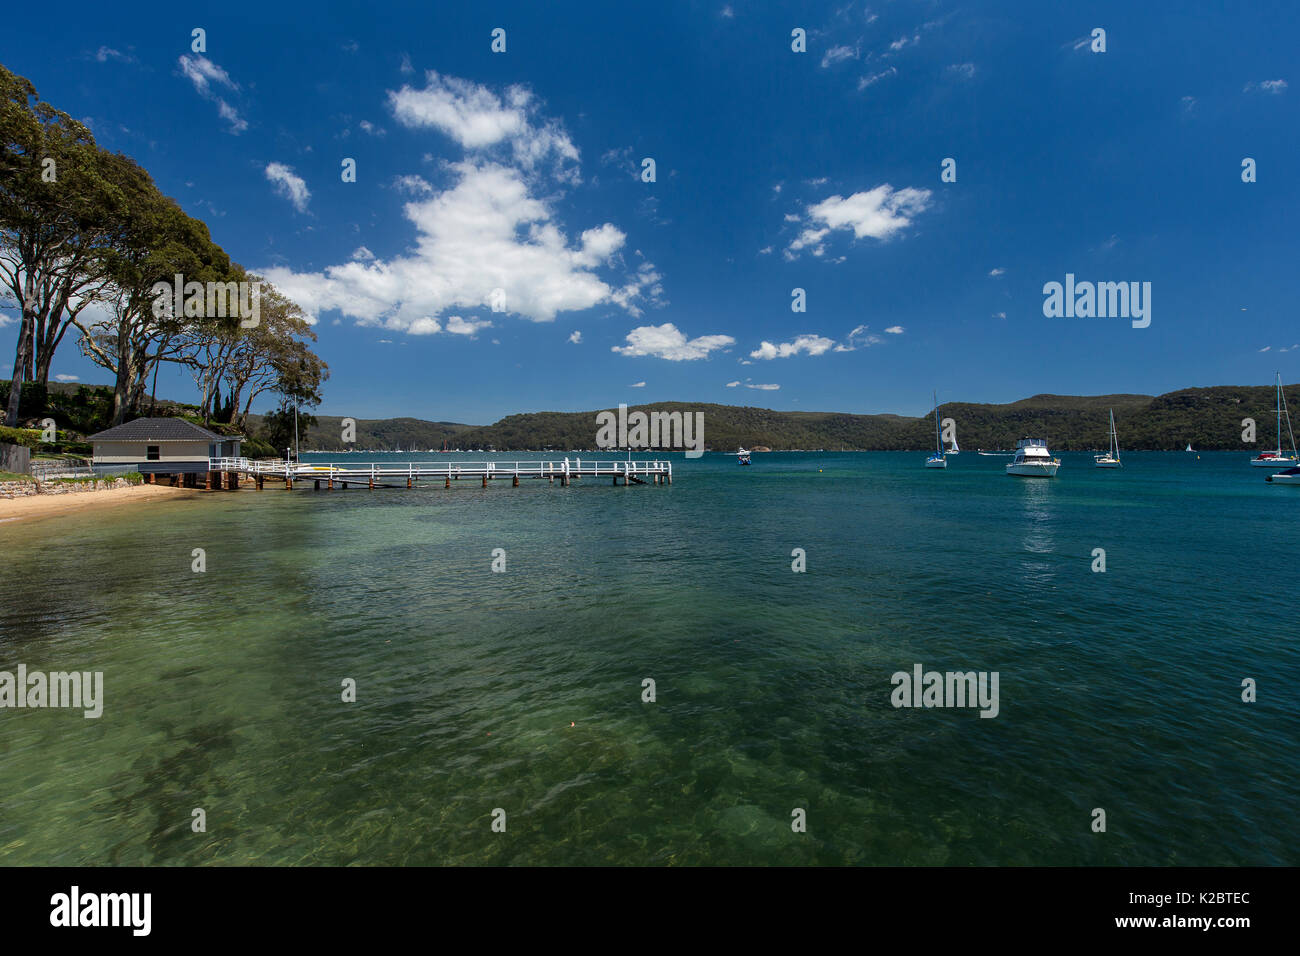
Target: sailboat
[
  {"x": 1111, "y": 458},
  {"x": 1275, "y": 459},
  {"x": 937, "y": 460}
]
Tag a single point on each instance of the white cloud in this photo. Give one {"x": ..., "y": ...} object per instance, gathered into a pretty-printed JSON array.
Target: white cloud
[
  {"x": 894, "y": 330},
  {"x": 997, "y": 271},
  {"x": 733, "y": 384},
  {"x": 362, "y": 254},
  {"x": 1189, "y": 104},
  {"x": 901, "y": 42},
  {"x": 838, "y": 54},
  {"x": 67, "y": 378},
  {"x": 765, "y": 251},
  {"x": 637, "y": 385},
  {"x": 486, "y": 232},
  {"x": 999, "y": 315},
  {"x": 458, "y": 326},
  {"x": 105, "y": 53},
  {"x": 812, "y": 344},
  {"x": 1266, "y": 348},
  {"x": 406, "y": 64},
  {"x": 1267, "y": 86},
  {"x": 667, "y": 342},
  {"x": 415, "y": 185},
  {"x": 964, "y": 71},
  {"x": 489, "y": 229},
  {"x": 879, "y": 213},
  {"x": 371, "y": 129},
  {"x": 203, "y": 73},
  {"x": 764, "y": 388},
  {"x": 289, "y": 185},
  {"x": 6, "y": 321},
  {"x": 575, "y": 337},
  {"x": 728, "y": 13},
  {"x": 859, "y": 338},
  {"x": 874, "y": 78},
  {"x": 479, "y": 119}
]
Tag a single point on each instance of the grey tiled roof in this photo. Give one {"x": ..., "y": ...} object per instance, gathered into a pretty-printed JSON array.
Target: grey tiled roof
[{"x": 160, "y": 429}]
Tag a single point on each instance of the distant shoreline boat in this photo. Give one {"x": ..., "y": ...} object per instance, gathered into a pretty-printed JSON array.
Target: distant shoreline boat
[
  {"x": 937, "y": 460},
  {"x": 1111, "y": 458},
  {"x": 1275, "y": 459},
  {"x": 1033, "y": 460},
  {"x": 742, "y": 457}
]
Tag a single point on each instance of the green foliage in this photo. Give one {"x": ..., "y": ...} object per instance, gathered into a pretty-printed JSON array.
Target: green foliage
[
  {"x": 278, "y": 428},
  {"x": 27, "y": 437},
  {"x": 1209, "y": 418},
  {"x": 32, "y": 398},
  {"x": 14, "y": 476}
]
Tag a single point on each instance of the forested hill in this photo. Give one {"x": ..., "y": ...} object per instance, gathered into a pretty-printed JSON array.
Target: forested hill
[{"x": 1208, "y": 418}]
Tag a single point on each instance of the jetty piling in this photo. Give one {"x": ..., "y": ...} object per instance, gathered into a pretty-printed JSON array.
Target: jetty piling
[{"x": 226, "y": 472}]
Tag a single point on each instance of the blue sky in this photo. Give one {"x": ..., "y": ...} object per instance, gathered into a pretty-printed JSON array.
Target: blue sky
[{"x": 775, "y": 170}]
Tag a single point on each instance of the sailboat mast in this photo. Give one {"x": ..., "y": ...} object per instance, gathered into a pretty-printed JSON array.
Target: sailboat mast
[
  {"x": 938, "y": 442},
  {"x": 1279, "y": 414}
]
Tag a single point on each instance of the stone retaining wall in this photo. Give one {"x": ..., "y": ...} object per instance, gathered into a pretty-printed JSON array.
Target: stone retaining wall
[
  {"x": 21, "y": 489},
  {"x": 56, "y": 487},
  {"x": 17, "y": 489}
]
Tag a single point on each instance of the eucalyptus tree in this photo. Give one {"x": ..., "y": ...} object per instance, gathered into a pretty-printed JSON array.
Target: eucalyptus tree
[
  {"x": 273, "y": 355},
  {"x": 137, "y": 328},
  {"x": 59, "y": 208}
]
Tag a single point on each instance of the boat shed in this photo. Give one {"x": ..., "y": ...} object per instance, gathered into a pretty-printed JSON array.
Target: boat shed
[{"x": 165, "y": 446}]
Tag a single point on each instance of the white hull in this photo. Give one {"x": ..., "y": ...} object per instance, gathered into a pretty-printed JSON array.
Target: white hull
[
  {"x": 1275, "y": 463},
  {"x": 1033, "y": 469},
  {"x": 1284, "y": 479},
  {"x": 936, "y": 463},
  {"x": 1108, "y": 463}
]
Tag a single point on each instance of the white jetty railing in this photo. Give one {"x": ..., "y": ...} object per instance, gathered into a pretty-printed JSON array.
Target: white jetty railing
[{"x": 564, "y": 469}]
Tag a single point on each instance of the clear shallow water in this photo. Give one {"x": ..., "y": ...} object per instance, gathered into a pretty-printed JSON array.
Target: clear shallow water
[{"x": 1118, "y": 690}]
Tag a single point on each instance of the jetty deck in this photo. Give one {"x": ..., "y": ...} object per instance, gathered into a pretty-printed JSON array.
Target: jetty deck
[{"x": 226, "y": 472}]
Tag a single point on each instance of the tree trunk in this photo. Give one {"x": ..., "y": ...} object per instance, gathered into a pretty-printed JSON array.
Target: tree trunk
[{"x": 22, "y": 359}]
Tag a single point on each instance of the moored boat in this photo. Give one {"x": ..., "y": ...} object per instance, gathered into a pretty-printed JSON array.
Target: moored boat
[
  {"x": 1276, "y": 459},
  {"x": 1033, "y": 460},
  {"x": 1111, "y": 458},
  {"x": 937, "y": 460}
]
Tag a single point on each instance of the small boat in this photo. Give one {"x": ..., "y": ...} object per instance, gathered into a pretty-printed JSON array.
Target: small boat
[
  {"x": 1111, "y": 458},
  {"x": 1189, "y": 447},
  {"x": 742, "y": 457},
  {"x": 937, "y": 460},
  {"x": 1033, "y": 460},
  {"x": 1275, "y": 459},
  {"x": 1290, "y": 476}
]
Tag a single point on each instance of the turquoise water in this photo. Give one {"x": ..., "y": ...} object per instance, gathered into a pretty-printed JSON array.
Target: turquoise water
[{"x": 522, "y": 690}]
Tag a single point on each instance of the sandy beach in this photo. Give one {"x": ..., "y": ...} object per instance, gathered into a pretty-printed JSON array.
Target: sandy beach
[{"x": 33, "y": 507}]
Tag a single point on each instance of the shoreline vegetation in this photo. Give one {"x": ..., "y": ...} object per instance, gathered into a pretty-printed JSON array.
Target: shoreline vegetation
[
  {"x": 1210, "y": 419},
  {"x": 93, "y": 253}
]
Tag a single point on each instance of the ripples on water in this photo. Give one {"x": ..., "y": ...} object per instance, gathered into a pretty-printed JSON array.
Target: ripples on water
[{"x": 1118, "y": 690}]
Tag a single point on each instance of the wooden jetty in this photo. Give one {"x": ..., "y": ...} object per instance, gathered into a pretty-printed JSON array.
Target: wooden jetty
[{"x": 226, "y": 472}]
